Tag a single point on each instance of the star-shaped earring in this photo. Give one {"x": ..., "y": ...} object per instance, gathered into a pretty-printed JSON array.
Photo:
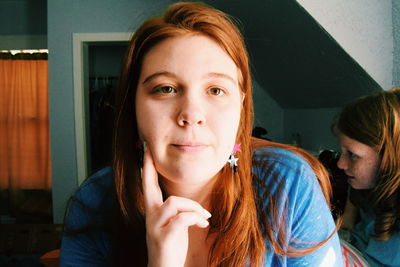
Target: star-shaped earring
[{"x": 233, "y": 161}]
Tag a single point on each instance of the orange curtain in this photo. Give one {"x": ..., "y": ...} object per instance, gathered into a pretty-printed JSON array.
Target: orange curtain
[{"x": 24, "y": 125}]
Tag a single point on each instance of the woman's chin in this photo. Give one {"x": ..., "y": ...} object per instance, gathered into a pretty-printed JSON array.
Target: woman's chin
[
  {"x": 189, "y": 176},
  {"x": 188, "y": 171},
  {"x": 358, "y": 186}
]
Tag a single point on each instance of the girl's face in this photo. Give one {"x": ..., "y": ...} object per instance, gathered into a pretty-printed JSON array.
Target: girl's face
[
  {"x": 359, "y": 161},
  {"x": 188, "y": 104}
]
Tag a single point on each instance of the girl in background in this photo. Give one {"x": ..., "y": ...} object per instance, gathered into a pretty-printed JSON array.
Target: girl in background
[{"x": 369, "y": 135}]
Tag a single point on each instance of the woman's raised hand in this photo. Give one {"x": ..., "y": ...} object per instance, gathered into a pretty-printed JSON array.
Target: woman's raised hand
[{"x": 167, "y": 222}]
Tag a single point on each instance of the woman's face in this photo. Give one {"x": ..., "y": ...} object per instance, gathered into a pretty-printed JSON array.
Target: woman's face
[
  {"x": 359, "y": 161},
  {"x": 188, "y": 104}
]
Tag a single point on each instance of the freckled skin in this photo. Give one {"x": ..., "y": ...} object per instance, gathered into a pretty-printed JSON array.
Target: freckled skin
[{"x": 359, "y": 161}]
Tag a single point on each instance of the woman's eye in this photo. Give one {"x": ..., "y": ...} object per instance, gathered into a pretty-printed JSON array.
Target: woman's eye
[
  {"x": 165, "y": 90},
  {"x": 216, "y": 91},
  {"x": 352, "y": 155}
]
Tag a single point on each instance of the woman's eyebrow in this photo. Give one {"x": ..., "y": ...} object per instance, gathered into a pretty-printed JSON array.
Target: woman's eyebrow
[
  {"x": 220, "y": 75},
  {"x": 157, "y": 74},
  {"x": 172, "y": 75}
]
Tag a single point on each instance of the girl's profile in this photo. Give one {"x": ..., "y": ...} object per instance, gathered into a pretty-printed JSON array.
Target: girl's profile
[{"x": 369, "y": 136}]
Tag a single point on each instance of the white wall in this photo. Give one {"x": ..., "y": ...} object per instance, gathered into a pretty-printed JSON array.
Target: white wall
[{"x": 364, "y": 30}]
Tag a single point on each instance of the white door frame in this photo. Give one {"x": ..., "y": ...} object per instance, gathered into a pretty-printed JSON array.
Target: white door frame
[{"x": 81, "y": 43}]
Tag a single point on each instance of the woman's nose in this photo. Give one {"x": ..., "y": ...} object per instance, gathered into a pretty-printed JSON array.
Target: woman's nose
[
  {"x": 191, "y": 112},
  {"x": 342, "y": 163}
]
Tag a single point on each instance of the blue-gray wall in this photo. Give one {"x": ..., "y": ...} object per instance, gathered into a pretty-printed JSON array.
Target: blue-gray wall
[
  {"x": 23, "y": 17},
  {"x": 396, "y": 42},
  {"x": 23, "y": 24},
  {"x": 314, "y": 127},
  {"x": 268, "y": 113}
]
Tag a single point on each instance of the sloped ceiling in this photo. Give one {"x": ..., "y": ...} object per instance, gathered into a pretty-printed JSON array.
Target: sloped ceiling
[{"x": 294, "y": 59}]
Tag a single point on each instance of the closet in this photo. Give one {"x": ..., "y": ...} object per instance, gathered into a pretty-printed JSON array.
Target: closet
[{"x": 104, "y": 65}]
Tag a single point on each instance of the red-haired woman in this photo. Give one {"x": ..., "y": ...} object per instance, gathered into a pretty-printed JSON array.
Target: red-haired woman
[
  {"x": 369, "y": 135},
  {"x": 188, "y": 186}
]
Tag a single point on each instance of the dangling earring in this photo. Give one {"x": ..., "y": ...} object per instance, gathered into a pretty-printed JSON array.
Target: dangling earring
[{"x": 232, "y": 160}]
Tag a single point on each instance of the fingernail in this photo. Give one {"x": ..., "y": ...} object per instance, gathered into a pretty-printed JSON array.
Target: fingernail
[{"x": 207, "y": 213}]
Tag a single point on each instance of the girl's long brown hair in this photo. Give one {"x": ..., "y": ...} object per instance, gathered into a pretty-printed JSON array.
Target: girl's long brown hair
[
  {"x": 374, "y": 120},
  {"x": 239, "y": 239}
]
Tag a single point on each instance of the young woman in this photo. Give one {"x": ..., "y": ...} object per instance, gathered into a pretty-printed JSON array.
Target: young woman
[
  {"x": 189, "y": 187},
  {"x": 369, "y": 135}
]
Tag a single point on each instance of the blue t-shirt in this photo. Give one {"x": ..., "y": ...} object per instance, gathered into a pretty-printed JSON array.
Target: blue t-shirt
[
  {"x": 377, "y": 253},
  {"x": 286, "y": 175}
]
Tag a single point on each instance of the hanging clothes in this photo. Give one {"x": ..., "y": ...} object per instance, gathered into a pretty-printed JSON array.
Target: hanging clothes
[{"x": 101, "y": 120}]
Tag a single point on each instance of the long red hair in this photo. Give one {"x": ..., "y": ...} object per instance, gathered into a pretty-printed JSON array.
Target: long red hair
[{"x": 239, "y": 239}]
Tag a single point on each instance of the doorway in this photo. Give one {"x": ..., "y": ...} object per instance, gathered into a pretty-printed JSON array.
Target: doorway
[{"x": 97, "y": 59}]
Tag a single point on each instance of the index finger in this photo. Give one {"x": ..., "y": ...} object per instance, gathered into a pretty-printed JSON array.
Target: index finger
[{"x": 151, "y": 189}]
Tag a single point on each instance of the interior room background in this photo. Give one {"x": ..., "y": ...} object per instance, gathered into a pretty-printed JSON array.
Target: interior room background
[{"x": 308, "y": 60}]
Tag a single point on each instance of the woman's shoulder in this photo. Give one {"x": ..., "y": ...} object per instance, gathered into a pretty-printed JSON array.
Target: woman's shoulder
[
  {"x": 278, "y": 165},
  {"x": 283, "y": 176},
  {"x": 92, "y": 204},
  {"x": 277, "y": 154},
  {"x": 95, "y": 187},
  {"x": 279, "y": 158}
]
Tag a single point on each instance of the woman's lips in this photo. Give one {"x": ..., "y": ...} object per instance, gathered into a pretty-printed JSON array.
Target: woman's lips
[
  {"x": 190, "y": 147},
  {"x": 348, "y": 175}
]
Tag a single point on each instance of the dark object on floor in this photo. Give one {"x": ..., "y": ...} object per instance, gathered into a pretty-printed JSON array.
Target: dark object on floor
[
  {"x": 27, "y": 206},
  {"x": 35, "y": 207},
  {"x": 29, "y": 238},
  {"x": 20, "y": 260}
]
